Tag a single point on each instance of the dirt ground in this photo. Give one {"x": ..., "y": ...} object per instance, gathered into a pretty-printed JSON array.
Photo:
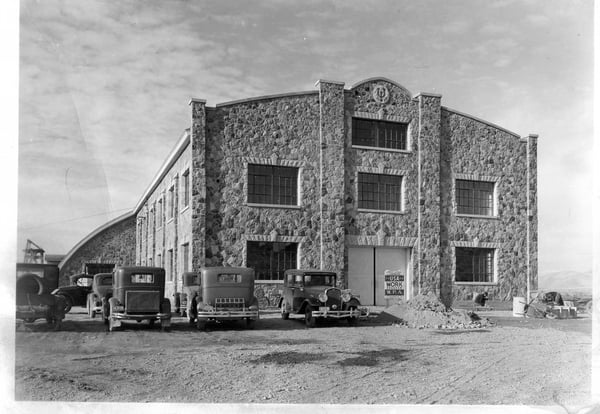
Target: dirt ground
[{"x": 516, "y": 361}]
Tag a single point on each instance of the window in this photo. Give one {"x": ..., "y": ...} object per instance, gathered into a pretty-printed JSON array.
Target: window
[
  {"x": 142, "y": 278},
  {"x": 271, "y": 184},
  {"x": 159, "y": 213},
  {"x": 170, "y": 264},
  {"x": 185, "y": 188},
  {"x": 270, "y": 260},
  {"x": 158, "y": 260},
  {"x": 380, "y": 192},
  {"x": 171, "y": 201},
  {"x": 380, "y": 134},
  {"x": 474, "y": 265},
  {"x": 475, "y": 197},
  {"x": 185, "y": 256},
  {"x": 229, "y": 278},
  {"x": 149, "y": 261}
]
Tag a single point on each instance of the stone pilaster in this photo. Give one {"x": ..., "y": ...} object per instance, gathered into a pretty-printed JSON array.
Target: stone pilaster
[
  {"x": 532, "y": 214},
  {"x": 198, "y": 176},
  {"x": 427, "y": 264},
  {"x": 331, "y": 176}
]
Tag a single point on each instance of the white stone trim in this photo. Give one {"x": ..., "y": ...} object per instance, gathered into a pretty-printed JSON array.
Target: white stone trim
[
  {"x": 386, "y": 241},
  {"x": 274, "y": 238},
  {"x": 476, "y": 244},
  {"x": 382, "y": 170},
  {"x": 267, "y": 97},
  {"x": 382, "y": 117},
  {"x": 481, "y": 121},
  {"x": 274, "y": 161},
  {"x": 381, "y": 79},
  {"x": 476, "y": 177},
  {"x": 301, "y": 165}
]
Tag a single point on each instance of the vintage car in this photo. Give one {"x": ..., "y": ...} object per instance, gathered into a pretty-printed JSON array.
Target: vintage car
[
  {"x": 34, "y": 302},
  {"x": 191, "y": 288},
  {"x": 226, "y": 294},
  {"x": 101, "y": 291},
  {"x": 313, "y": 293},
  {"x": 138, "y": 294},
  {"x": 75, "y": 294}
]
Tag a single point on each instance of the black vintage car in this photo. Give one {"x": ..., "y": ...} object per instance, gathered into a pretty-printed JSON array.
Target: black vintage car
[
  {"x": 33, "y": 297},
  {"x": 225, "y": 294},
  {"x": 76, "y": 293},
  {"x": 101, "y": 292},
  {"x": 314, "y": 294},
  {"x": 138, "y": 294}
]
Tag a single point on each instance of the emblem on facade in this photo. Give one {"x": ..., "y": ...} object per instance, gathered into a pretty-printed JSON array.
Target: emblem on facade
[{"x": 381, "y": 94}]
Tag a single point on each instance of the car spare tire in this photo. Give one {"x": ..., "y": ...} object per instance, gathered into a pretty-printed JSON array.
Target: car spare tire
[{"x": 29, "y": 284}]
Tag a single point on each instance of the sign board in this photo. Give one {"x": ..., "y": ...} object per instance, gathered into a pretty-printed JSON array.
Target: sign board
[{"x": 393, "y": 284}]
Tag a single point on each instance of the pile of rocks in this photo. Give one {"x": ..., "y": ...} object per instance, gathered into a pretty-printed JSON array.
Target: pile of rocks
[{"x": 426, "y": 311}]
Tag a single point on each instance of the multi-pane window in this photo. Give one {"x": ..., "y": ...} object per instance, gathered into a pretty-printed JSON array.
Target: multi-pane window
[
  {"x": 170, "y": 264},
  {"x": 271, "y": 259},
  {"x": 382, "y": 134},
  {"x": 185, "y": 256},
  {"x": 474, "y": 265},
  {"x": 159, "y": 213},
  {"x": 272, "y": 184},
  {"x": 475, "y": 197},
  {"x": 171, "y": 201},
  {"x": 185, "y": 188},
  {"x": 380, "y": 192}
]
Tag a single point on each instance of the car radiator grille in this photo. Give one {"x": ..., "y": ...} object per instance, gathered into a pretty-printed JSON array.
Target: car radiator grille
[
  {"x": 229, "y": 303},
  {"x": 142, "y": 301},
  {"x": 334, "y": 297}
]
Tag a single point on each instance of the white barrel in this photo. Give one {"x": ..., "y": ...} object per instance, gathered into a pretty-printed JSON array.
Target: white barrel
[{"x": 519, "y": 306}]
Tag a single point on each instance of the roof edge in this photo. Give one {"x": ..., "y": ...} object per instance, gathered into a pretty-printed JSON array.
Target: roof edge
[
  {"x": 381, "y": 78},
  {"x": 266, "y": 97},
  {"x": 93, "y": 234},
  {"x": 482, "y": 121},
  {"x": 165, "y": 167}
]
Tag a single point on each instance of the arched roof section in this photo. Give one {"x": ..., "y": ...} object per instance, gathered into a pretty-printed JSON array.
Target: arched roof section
[
  {"x": 381, "y": 79},
  {"x": 95, "y": 233}
]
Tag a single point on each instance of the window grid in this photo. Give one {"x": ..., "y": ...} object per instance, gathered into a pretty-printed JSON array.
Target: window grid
[
  {"x": 171, "y": 201},
  {"x": 185, "y": 256},
  {"x": 271, "y": 184},
  {"x": 382, "y": 134},
  {"x": 170, "y": 264},
  {"x": 271, "y": 259},
  {"x": 474, "y": 265},
  {"x": 186, "y": 188},
  {"x": 475, "y": 197},
  {"x": 380, "y": 192}
]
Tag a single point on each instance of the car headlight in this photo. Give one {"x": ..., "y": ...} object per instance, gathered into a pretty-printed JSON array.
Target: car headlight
[
  {"x": 203, "y": 307},
  {"x": 323, "y": 297},
  {"x": 346, "y": 296},
  {"x": 253, "y": 308}
]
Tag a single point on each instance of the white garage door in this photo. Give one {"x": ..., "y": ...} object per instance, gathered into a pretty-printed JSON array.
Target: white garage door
[{"x": 366, "y": 267}]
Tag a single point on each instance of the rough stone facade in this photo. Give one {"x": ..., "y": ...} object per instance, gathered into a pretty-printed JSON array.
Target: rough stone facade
[
  {"x": 113, "y": 243},
  {"x": 312, "y": 131}
]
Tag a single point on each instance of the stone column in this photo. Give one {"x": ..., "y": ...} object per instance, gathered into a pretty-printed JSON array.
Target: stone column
[
  {"x": 331, "y": 176},
  {"x": 532, "y": 219},
  {"x": 198, "y": 176},
  {"x": 428, "y": 177}
]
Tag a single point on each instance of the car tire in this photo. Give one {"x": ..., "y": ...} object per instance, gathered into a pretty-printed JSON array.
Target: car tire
[
  {"x": 111, "y": 326},
  {"x": 309, "y": 320},
  {"x": 352, "y": 321},
  {"x": 68, "y": 303},
  {"x": 151, "y": 322},
  {"x": 201, "y": 325},
  {"x": 284, "y": 315},
  {"x": 93, "y": 314}
]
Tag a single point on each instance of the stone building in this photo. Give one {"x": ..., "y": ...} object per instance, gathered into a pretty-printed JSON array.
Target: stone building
[{"x": 358, "y": 181}]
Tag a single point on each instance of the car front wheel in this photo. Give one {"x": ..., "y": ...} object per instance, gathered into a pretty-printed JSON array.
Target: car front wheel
[
  {"x": 284, "y": 315},
  {"x": 308, "y": 318}
]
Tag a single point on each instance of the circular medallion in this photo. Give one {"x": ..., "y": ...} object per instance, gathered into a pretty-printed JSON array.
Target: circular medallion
[{"x": 381, "y": 94}]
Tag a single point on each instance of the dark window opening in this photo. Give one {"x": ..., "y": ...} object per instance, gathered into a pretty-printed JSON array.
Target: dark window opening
[
  {"x": 271, "y": 259},
  {"x": 382, "y": 134},
  {"x": 474, "y": 265},
  {"x": 380, "y": 192},
  {"x": 475, "y": 197},
  {"x": 271, "y": 184}
]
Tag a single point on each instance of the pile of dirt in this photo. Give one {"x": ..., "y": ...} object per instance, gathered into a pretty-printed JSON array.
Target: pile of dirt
[{"x": 426, "y": 311}]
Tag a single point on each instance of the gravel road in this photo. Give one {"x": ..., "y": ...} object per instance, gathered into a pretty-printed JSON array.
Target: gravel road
[{"x": 517, "y": 361}]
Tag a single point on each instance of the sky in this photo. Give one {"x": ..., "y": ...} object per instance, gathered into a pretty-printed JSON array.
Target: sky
[{"x": 104, "y": 88}]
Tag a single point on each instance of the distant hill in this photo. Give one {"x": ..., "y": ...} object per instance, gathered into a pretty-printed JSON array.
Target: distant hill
[{"x": 565, "y": 280}]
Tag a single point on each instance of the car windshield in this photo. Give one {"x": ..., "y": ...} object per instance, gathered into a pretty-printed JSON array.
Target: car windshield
[
  {"x": 229, "y": 278},
  {"x": 319, "y": 280},
  {"x": 142, "y": 278},
  {"x": 84, "y": 281}
]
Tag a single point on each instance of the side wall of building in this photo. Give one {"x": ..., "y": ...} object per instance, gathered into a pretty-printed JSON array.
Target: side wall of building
[{"x": 163, "y": 229}]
